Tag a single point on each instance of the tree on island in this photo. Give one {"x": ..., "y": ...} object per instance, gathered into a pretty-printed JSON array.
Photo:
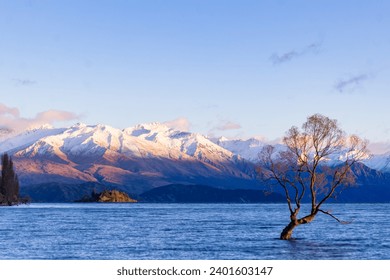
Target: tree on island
[
  {"x": 9, "y": 183},
  {"x": 301, "y": 171}
]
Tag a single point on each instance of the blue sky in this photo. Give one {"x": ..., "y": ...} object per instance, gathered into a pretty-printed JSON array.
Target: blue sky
[{"x": 234, "y": 68}]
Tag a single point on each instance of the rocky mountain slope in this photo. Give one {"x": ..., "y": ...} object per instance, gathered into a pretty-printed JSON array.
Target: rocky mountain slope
[
  {"x": 140, "y": 158},
  {"x": 63, "y": 164}
]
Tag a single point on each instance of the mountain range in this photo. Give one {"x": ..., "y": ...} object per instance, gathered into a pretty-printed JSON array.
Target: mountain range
[{"x": 138, "y": 159}]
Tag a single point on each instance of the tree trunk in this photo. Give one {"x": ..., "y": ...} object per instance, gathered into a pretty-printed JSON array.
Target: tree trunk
[{"x": 288, "y": 230}]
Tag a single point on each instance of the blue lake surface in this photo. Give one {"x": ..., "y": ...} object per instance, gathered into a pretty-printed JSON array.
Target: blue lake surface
[{"x": 189, "y": 231}]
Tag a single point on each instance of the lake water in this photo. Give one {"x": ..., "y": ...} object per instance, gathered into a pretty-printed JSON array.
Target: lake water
[{"x": 189, "y": 231}]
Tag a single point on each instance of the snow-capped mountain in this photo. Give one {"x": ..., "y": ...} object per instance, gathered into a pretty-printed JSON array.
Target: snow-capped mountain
[
  {"x": 10, "y": 142},
  {"x": 249, "y": 150},
  {"x": 379, "y": 162},
  {"x": 142, "y": 141},
  {"x": 139, "y": 157},
  {"x": 135, "y": 159}
]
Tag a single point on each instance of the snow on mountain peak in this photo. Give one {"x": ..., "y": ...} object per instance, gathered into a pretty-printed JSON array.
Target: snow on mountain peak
[
  {"x": 222, "y": 139},
  {"x": 146, "y": 128},
  {"x": 143, "y": 140},
  {"x": 153, "y": 151},
  {"x": 79, "y": 125},
  {"x": 36, "y": 127},
  {"x": 26, "y": 138},
  {"x": 379, "y": 162},
  {"x": 247, "y": 149}
]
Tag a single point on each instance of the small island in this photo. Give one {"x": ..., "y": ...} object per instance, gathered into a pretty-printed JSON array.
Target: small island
[{"x": 108, "y": 196}]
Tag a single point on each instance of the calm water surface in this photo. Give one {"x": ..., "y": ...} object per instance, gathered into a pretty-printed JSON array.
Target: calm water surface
[{"x": 189, "y": 231}]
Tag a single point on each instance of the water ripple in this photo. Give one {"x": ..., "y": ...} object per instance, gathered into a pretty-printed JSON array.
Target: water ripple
[{"x": 188, "y": 231}]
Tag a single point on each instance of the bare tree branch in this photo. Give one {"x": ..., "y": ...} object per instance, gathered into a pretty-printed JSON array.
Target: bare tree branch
[
  {"x": 302, "y": 170},
  {"x": 334, "y": 217}
]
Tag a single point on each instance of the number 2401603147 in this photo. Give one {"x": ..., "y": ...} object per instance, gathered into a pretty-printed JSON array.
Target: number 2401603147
[{"x": 257, "y": 271}]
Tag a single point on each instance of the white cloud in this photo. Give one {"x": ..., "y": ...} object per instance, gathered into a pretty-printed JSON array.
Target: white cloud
[
  {"x": 182, "y": 124},
  {"x": 10, "y": 118},
  {"x": 8, "y": 111},
  {"x": 55, "y": 116}
]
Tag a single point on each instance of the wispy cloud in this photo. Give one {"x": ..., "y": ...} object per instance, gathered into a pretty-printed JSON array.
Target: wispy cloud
[
  {"x": 8, "y": 111},
  {"x": 222, "y": 127},
  {"x": 287, "y": 56},
  {"x": 24, "y": 82},
  {"x": 182, "y": 124},
  {"x": 227, "y": 125},
  {"x": 10, "y": 118},
  {"x": 351, "y": 83}
]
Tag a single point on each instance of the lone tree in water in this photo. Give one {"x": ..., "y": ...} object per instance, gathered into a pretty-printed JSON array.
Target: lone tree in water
[
  {"x": 301, "y": 171},
  {"x": 9, "y": 183}
]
